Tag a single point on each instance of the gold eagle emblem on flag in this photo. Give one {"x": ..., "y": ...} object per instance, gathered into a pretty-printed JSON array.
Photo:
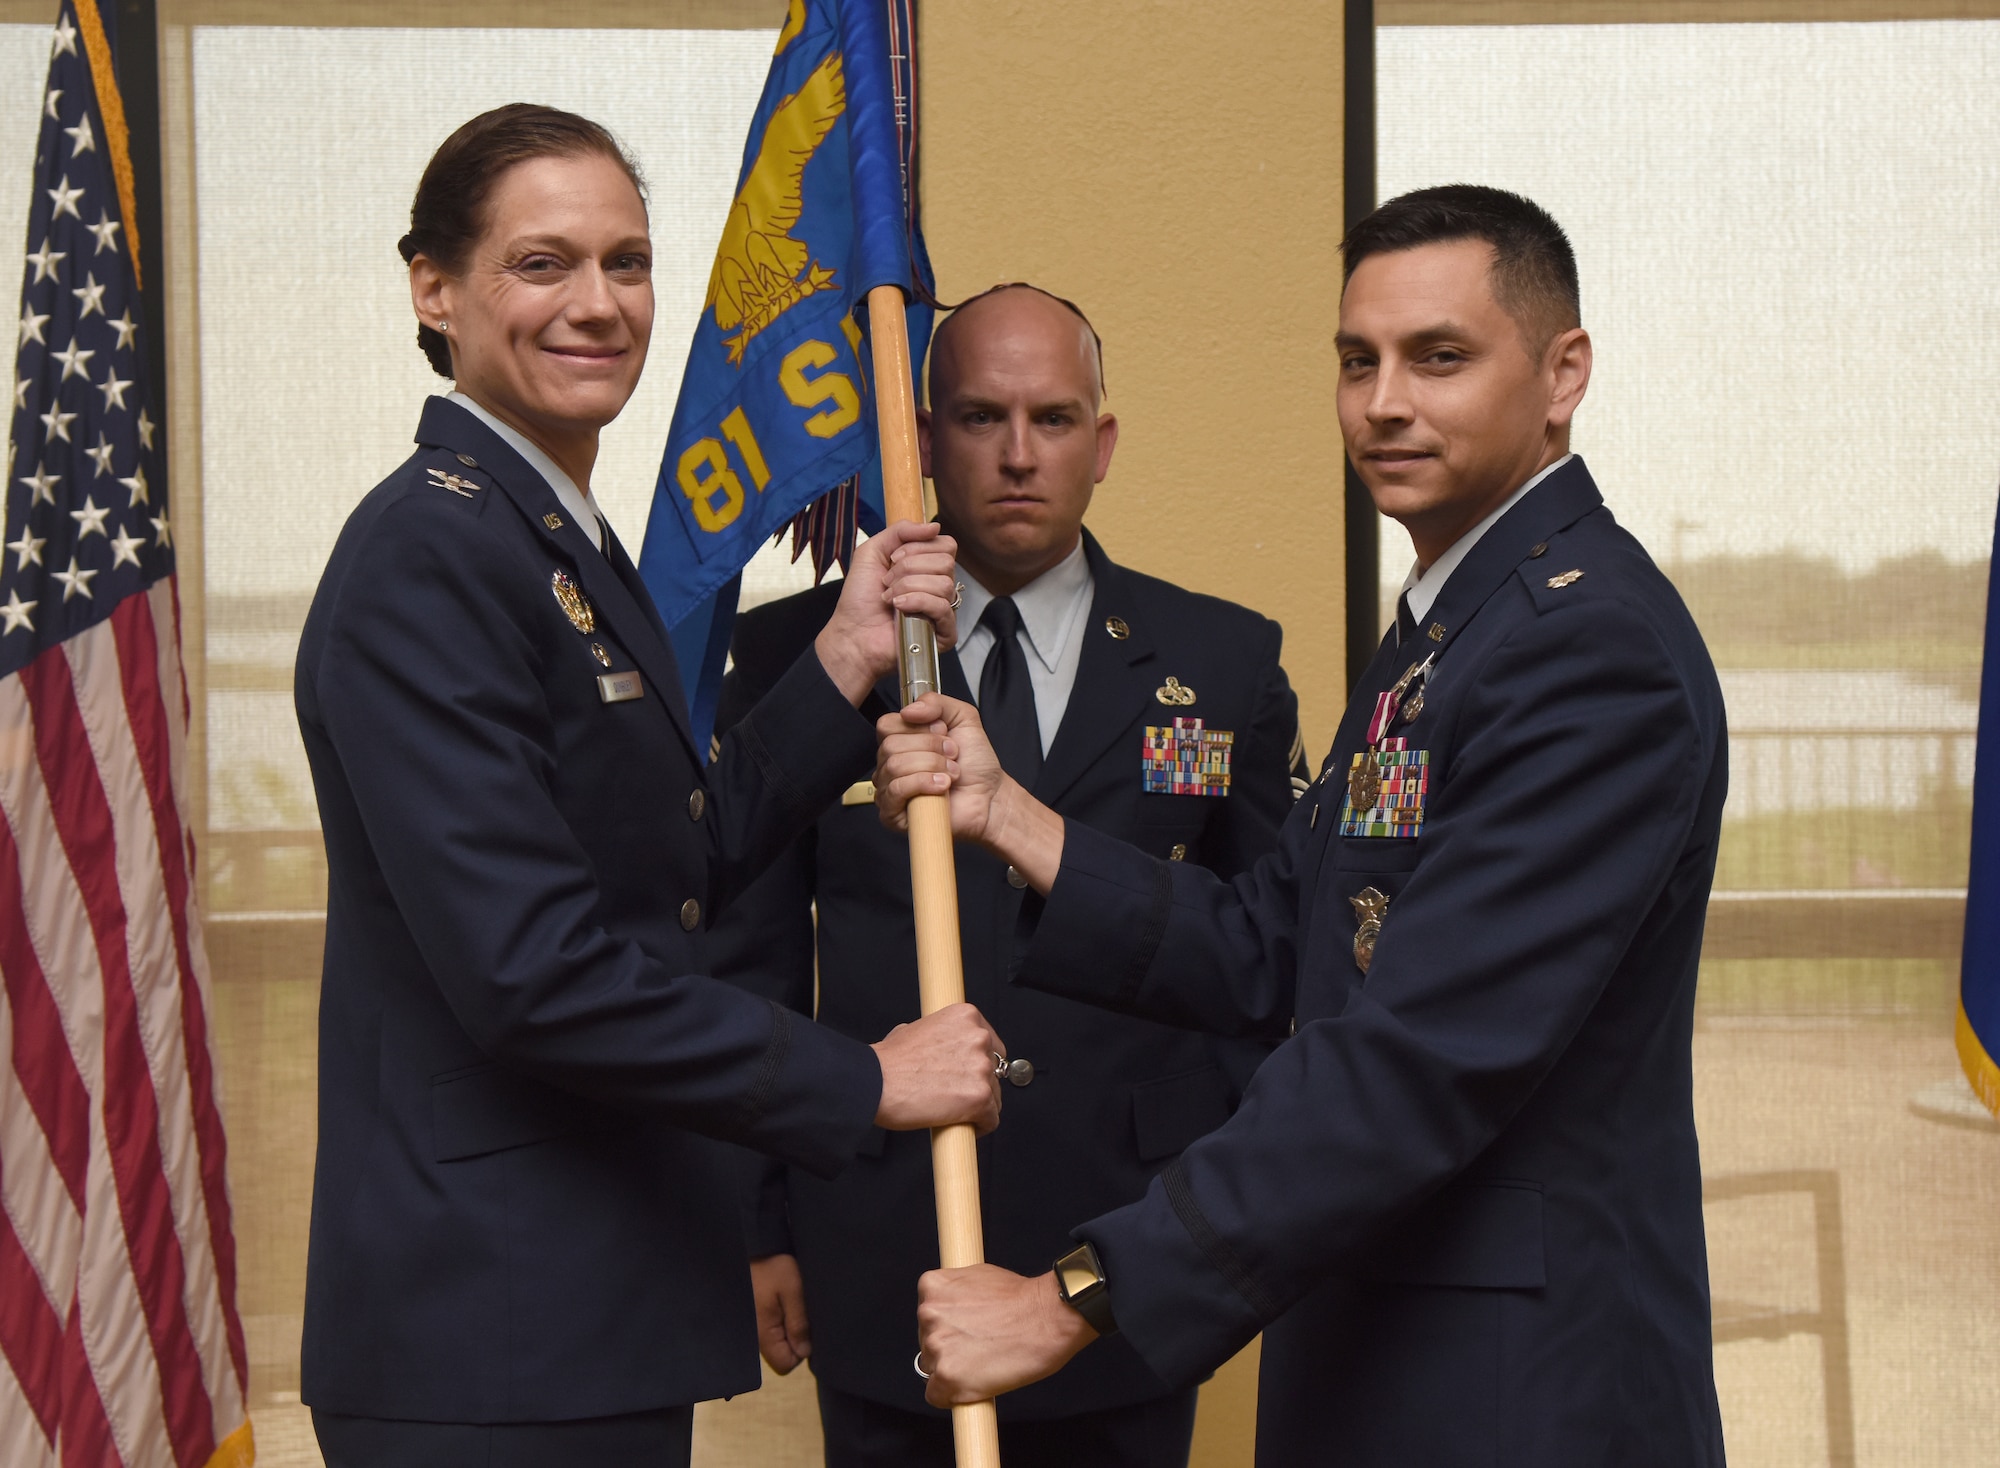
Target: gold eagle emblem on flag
[{"x": 760, "y": 270}]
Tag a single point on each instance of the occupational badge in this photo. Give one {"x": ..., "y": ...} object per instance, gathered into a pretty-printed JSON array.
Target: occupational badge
[
  {"x": 575, "y": 606},
  {"x": 1369, "y": 909},
  {"x": 1186, "y": 758},
  {"x": 1174, "y": 694}
]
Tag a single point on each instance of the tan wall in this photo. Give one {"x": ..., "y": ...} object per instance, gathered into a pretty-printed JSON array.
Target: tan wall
[{"x": 1176, "y": 171}]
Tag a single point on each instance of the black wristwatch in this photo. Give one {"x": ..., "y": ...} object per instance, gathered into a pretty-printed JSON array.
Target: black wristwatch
[{"x": 1080, "y": 1281}]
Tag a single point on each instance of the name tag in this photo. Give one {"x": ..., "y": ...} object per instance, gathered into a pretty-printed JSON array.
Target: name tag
[{"x": 620, "y": 687}]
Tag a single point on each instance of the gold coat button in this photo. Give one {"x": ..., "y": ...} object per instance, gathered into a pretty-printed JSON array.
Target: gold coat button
[
  {"x": 690, "y": 915},
  {"x": 1179, "y": 853},
  {"x": 697, "y": 803},
  {"x": 1020, "y": 1072},
  {"x": 1015, "y": 879}
]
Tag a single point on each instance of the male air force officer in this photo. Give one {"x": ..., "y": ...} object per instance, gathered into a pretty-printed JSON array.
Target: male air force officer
[
  {"x": 1151, "y": 713},
  {"x": 1463, "y": 1200}
]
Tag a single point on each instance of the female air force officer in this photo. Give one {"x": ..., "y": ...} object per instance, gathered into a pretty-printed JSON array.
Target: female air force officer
[{"x": 525, "y": 1246}]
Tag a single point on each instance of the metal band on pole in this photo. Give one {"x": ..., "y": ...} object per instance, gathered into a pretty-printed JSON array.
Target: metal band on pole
[{"x": 933, "y": 880}]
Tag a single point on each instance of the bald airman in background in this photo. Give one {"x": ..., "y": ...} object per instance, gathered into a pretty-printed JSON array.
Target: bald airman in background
[{"x": 1154, "y": 714}]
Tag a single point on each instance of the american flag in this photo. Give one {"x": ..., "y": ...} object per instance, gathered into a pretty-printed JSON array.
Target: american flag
[{"x": 119, "y": 1336}]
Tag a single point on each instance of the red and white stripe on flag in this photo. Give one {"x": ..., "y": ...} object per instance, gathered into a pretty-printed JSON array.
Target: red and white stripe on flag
[
  {"x": 118, "y": 1323},
  {"x": 120, "y": 1346}
]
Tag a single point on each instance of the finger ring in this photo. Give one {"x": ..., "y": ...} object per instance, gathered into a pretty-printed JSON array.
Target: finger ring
[
  {"x": 999, "y": 1063},
  {"x": 918, "y": 1366},
  {"x": 957, "y": 594}
]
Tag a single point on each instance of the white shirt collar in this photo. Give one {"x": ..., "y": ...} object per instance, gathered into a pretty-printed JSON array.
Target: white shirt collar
[
  {"x": 1050, "y": 605},
  {"x": 582, "y": 508},
  {"x": 1422, "y": 587}
]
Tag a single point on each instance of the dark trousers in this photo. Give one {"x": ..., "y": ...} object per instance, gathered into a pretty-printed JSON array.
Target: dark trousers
[
  {"x": 865, "y": 1434},
  {"x": 661, "y": 1439}
]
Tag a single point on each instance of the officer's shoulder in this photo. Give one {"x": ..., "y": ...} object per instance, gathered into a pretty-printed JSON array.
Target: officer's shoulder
[
  {"x": 411, "y": 508},
  {"x": 1597, "y": 564},
  {"x": 435, "y": 485}
]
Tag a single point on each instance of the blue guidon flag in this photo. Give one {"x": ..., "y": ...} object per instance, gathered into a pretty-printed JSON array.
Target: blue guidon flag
[
  {"x": 1979, "y": 976},
  {"x": 775, "y": 425},
  {"x": 120, "y": 1342}
]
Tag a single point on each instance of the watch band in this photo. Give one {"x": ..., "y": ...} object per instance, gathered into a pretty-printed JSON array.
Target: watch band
[{"x": 1080, "y": 1281}]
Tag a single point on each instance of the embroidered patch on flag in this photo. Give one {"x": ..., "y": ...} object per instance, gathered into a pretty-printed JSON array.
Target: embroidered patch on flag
[
  {"x": 1400, "y": 780},
  {"x": 1186, "y": 759}
]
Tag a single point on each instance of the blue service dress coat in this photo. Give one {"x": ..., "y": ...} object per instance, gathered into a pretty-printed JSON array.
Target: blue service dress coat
[
  {"x": 1463, "y": 1201},
  {"x": 523, "y": 1209},
  {"x": 1113, "y": 1098}
]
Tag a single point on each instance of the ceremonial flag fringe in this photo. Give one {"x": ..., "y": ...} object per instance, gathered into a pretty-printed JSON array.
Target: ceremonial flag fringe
[
  {"x": 1979, "y": 974},
  {"x": 119, "y": 1338},
  {"x": 775, "y": 425}
]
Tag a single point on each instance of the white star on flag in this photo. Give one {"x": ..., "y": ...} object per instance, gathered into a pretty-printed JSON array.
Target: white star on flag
[
  {"x": 163, "y": 533},
  {"x": 27, "y": 548},
  {"x": 91, "y": 294},
  {"x": 145, "y": 426},
  {"x": 16, "y": 612},
  {"x": 65, "y": 38},
  {"x": 75, "y": 582},
  {"x": 125, "y": 548},
  {"x": 125, "y": 326},
  {"x": 82, "y": 137},
  {"x": 137, "y": 484},
  {"x": 65, "y": 199},
  {"x": 114, "y": 391},
  {"x": 90, "y": 517},
  {"x": 55, "y": 96},
  {"x": 106, "y": 230},
  {"x": 43, "y": 484},
  {"x": 31, "y": 326},
  {"x": 74, "y": 360},
  {"x": 56, "y": 423},
  {"x": 101, "y": 455},
  {"x": 21, "y": 394},
  {"x": 45, "y": 261}
]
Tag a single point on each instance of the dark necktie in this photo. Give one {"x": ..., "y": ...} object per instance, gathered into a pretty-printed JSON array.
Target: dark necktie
[
  {"x": 1006, "y": 698},
  {"x": 1406, "y": 624}
]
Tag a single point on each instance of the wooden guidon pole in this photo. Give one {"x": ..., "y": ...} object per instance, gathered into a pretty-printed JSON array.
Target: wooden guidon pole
[{"x": 933, "y": 882}]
